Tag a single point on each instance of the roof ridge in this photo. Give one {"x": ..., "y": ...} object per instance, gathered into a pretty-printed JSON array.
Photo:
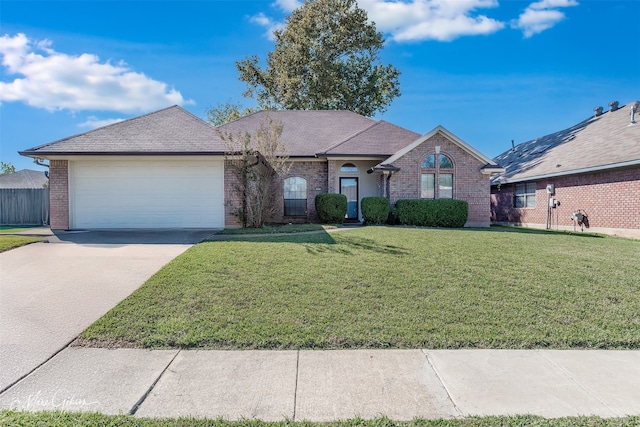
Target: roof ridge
[
  {"x": 107, "y": 126},
  {"x": 375, "y": 123}
]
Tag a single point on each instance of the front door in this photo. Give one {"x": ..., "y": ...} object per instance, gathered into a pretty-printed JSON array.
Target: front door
[{"x": 349, "y": 187}]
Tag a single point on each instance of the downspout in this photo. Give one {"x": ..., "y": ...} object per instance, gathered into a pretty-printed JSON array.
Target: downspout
[{"x": 39, "y": 161}]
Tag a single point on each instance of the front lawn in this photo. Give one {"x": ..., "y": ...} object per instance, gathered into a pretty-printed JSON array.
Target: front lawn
[
  {"x": 278, "y": 229},
  {"x": 388, "y": 287},
  {"x": 11, "y": 242}
]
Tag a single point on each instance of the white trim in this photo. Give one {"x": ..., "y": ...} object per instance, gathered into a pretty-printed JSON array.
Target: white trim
[
  {"x": 353, "y": 158},
  {"x": 569, "y": 172},
  {"x": 450, "y": 136}
]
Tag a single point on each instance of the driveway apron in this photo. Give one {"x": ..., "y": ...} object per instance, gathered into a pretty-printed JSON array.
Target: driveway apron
[{"x": 50, "y": 292}]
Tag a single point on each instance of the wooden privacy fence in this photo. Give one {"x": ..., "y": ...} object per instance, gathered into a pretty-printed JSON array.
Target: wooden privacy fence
[{"x": 24, "y": 206}]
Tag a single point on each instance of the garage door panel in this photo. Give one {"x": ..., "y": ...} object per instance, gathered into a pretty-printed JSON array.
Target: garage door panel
[{"x": 147, "y": 194}]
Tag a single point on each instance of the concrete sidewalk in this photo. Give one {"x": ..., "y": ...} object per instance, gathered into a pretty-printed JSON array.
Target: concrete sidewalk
[{"x": 331, "y": 385}]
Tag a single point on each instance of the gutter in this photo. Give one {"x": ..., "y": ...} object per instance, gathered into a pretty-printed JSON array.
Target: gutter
[{"x": 41, "y": 154}]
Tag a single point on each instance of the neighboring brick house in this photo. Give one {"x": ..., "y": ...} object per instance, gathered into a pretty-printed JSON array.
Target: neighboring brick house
[
  {"x": 589, "y": 172},
  {"x": 168, "y": 169}
]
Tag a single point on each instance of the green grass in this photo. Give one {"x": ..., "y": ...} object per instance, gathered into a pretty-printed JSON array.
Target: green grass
[
  {"x": 274, "y": 229},
  {"x": 388, "y": 287},
  {"x": 14, "y": 229},
  {"x": 66, "y": 419},
  {"x": 11, "y": 242}
]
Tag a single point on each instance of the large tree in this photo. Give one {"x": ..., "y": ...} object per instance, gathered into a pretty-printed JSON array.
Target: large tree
[
  {"x": 224, "y": 113},
  {"x": 325, "y": 58}
]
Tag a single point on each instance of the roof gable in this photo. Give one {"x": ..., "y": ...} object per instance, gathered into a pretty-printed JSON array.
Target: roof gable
[
  {"x": 380, "y": 139},
  {"x": 451, "y": 137},
  {"x": 599, "y": 142},
  {"x": 171, "y": 130}
]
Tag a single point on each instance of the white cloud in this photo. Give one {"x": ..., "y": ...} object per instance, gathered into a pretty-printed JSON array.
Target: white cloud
[
  {"x": 287, "y": 5},
  {"x": 93, "y": 122},
  {"x": 413, "y": 20},
  {"x": 541, "y": 15},
  {"x": 267, "y": 22},
  {"x": 442, "y": 20},
  {"x": 57, "y": 81}
]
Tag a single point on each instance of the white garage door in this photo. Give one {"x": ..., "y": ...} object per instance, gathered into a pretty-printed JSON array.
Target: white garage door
[{"x": 149, "y": 193}]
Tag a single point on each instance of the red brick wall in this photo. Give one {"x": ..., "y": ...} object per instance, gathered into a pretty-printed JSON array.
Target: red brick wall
[
  {"x": 59, "y": 194},
  {"x": 611, "y": 199},
  {"x": 232, "y": 200},
  {"x": 469, "y": 183},
  {"x": 314, "y": 172}
]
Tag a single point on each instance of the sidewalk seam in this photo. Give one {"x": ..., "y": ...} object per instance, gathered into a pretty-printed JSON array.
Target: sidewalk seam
[
  {"x": 580, "y": 386},
  {"x": 435, "y": 371},
  {"x": 295, "y": 390},
  {"x": 39, "y": 366},
  {"x": 140, "y": 401}
]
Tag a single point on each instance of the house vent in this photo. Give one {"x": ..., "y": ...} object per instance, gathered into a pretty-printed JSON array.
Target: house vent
[
  {"x": 634, "y": 109},
  {"x": 598, "y": 111},
  {"x": 613, "y": 105}
]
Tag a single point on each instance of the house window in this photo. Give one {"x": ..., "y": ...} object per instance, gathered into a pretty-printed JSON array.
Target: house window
[
  {"x": 445, "y": 162},
  {"x": 445, "y": 188},
  {"x": 429, "y": 162},
  {"x": 295, "y": 196},
  {"x": 525, "y": 195},
  {"x": 428, "y": 186},
  {"x": 440, "y": 172},
  {"x": 349, "y": 167}
]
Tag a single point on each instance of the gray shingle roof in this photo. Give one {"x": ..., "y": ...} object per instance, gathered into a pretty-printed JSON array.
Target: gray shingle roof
[
  {"x": 380, "y": 139},
  {"x": 603, "y": 142},
  {"x": 306, "y": 133},
  {"x": 25, "y": 178},
  {"x": 172, "y": 130}
]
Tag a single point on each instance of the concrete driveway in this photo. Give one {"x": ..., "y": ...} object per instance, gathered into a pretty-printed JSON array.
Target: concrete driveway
[{"x": 50, "y": 292}]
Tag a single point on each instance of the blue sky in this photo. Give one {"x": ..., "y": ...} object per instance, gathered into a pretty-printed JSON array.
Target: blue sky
[{"x": 488, "y": 70}]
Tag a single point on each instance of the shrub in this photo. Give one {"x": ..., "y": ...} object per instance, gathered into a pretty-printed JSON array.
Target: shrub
[
  {"x": 331, "y": 208},
  {"x": 432, "y": 213},
  {"x": 375, "y": 210}
]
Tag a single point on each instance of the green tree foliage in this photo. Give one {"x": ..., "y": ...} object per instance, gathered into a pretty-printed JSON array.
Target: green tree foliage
[
  {"x": 325, "y": 58},
  {"x": 6, "y": 168},
  {"x": 224, "y": 113}
]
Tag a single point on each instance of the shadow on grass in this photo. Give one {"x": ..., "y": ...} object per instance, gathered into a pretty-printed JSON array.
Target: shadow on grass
[
  {"x": 321, "y": 242},
  {"x": 523, "y": 230}
]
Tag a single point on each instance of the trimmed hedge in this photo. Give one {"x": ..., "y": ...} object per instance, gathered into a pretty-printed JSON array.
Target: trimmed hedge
[
  {"x": 331, "y": 208},
  {"x": 375, "y": 210},
  {"x": 432, "y": 213}
]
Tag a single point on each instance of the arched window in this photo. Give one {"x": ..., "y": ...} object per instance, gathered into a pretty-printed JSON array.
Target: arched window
[
  {"x": 295, "y": 196},
  {"x": 445, "y": 162},
  {"x": 440, "y": 173},
  {"x": 429, "y": 162},
  {"x": 349, "y": 167}
]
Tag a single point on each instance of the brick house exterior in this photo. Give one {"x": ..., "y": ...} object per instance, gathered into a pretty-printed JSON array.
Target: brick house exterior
[
  {"x": 592, "y": 168},
  {"x": 171, "y": 169},
  {"x": 59, "y": 194}
]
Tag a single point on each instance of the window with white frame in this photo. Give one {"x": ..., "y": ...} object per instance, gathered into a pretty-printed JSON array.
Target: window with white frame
[
  {"x": 295, "y": 196},
  {"x": 525, "y": 195},
  {"x": 437, "y": 169}
]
